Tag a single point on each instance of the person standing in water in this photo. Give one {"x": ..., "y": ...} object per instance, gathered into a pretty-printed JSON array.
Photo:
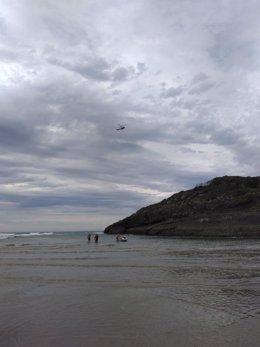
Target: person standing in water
[
  {"x": 96, "y": 238},
  {"x": 89, "y": 237}
]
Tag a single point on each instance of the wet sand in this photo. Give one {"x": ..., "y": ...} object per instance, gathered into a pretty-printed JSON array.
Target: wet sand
[{"x": 61, "y": 291}]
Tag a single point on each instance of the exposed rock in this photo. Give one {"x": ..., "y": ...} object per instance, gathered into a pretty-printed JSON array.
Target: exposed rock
[{"x": 223, "y": 207}]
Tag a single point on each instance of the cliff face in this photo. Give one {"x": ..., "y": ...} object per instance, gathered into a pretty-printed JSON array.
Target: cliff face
[{"x": 223, "y": 207}]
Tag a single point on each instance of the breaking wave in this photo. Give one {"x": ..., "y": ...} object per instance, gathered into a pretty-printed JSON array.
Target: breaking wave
[{"x": 12, "y": 235}]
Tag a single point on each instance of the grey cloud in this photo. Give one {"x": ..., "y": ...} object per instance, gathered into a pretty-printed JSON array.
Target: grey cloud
[
  {"x": 91, "y": 199},
  {"x": 15, "y": 134},
  {"x": 64, "y": 30},
  {"x": 68, "y": 79},
  {"x": 202, "y": 88},
  {"x": 97, "y": 69},
  {"x": 141, "y": 67},
  {"x": 190, "y": 104},
  {"x": 172, "y": 92},
  {"x": 248, "y": 154},
  {"x": 100, "y": 69},
  {"x": 3, "y": 27},
  {"x": 227, "y": 52},
  {"x": 6, "y": 54},
  {"x": 120, "y": 74},
  {"x": 201, "y": 77},
  {"x": 116, "y": 92},
  {"x": 130, "y": 72},
  {"x": 236, "y": 41},
  {"x": 226, "y": 137},
  {"x": 215, "y": 133}
]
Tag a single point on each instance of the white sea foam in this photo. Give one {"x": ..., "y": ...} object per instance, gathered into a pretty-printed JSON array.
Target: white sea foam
[
  {"x": 11, "y": 235},
  {"x": 6, "y": 236}
]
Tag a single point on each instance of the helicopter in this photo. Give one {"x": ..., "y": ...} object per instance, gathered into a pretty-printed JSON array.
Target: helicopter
[{"x": 120, "y": 127}]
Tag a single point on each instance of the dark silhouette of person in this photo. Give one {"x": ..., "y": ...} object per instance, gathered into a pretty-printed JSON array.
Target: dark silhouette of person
[
  {"x": 96, "y": 238},
  {"x": 89, "y": 237}
]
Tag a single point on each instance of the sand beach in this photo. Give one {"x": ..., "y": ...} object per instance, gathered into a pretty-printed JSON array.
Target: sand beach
[{"x": 59, "y": 290}]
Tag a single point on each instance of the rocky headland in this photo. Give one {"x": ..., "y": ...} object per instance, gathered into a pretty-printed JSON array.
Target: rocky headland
[{"x": 226, "y": 206}]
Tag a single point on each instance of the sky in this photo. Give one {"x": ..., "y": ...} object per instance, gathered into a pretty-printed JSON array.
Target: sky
[{"x": 183, "y": 76}]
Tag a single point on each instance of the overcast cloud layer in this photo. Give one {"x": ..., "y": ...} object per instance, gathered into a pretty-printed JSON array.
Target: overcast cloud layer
[{"x": 182, "y": 75}]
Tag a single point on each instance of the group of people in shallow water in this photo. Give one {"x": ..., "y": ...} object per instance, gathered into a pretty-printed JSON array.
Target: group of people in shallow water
[
  {"x": 119, "y": 237},
  {"x": 95, "y": 237}
]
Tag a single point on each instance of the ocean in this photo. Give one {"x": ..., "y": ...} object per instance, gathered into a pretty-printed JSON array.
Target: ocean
[{"x": 59, "y": 290}]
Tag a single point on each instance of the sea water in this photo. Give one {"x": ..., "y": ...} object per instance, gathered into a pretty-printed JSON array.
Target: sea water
[{"x": 58, "y": 289}]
